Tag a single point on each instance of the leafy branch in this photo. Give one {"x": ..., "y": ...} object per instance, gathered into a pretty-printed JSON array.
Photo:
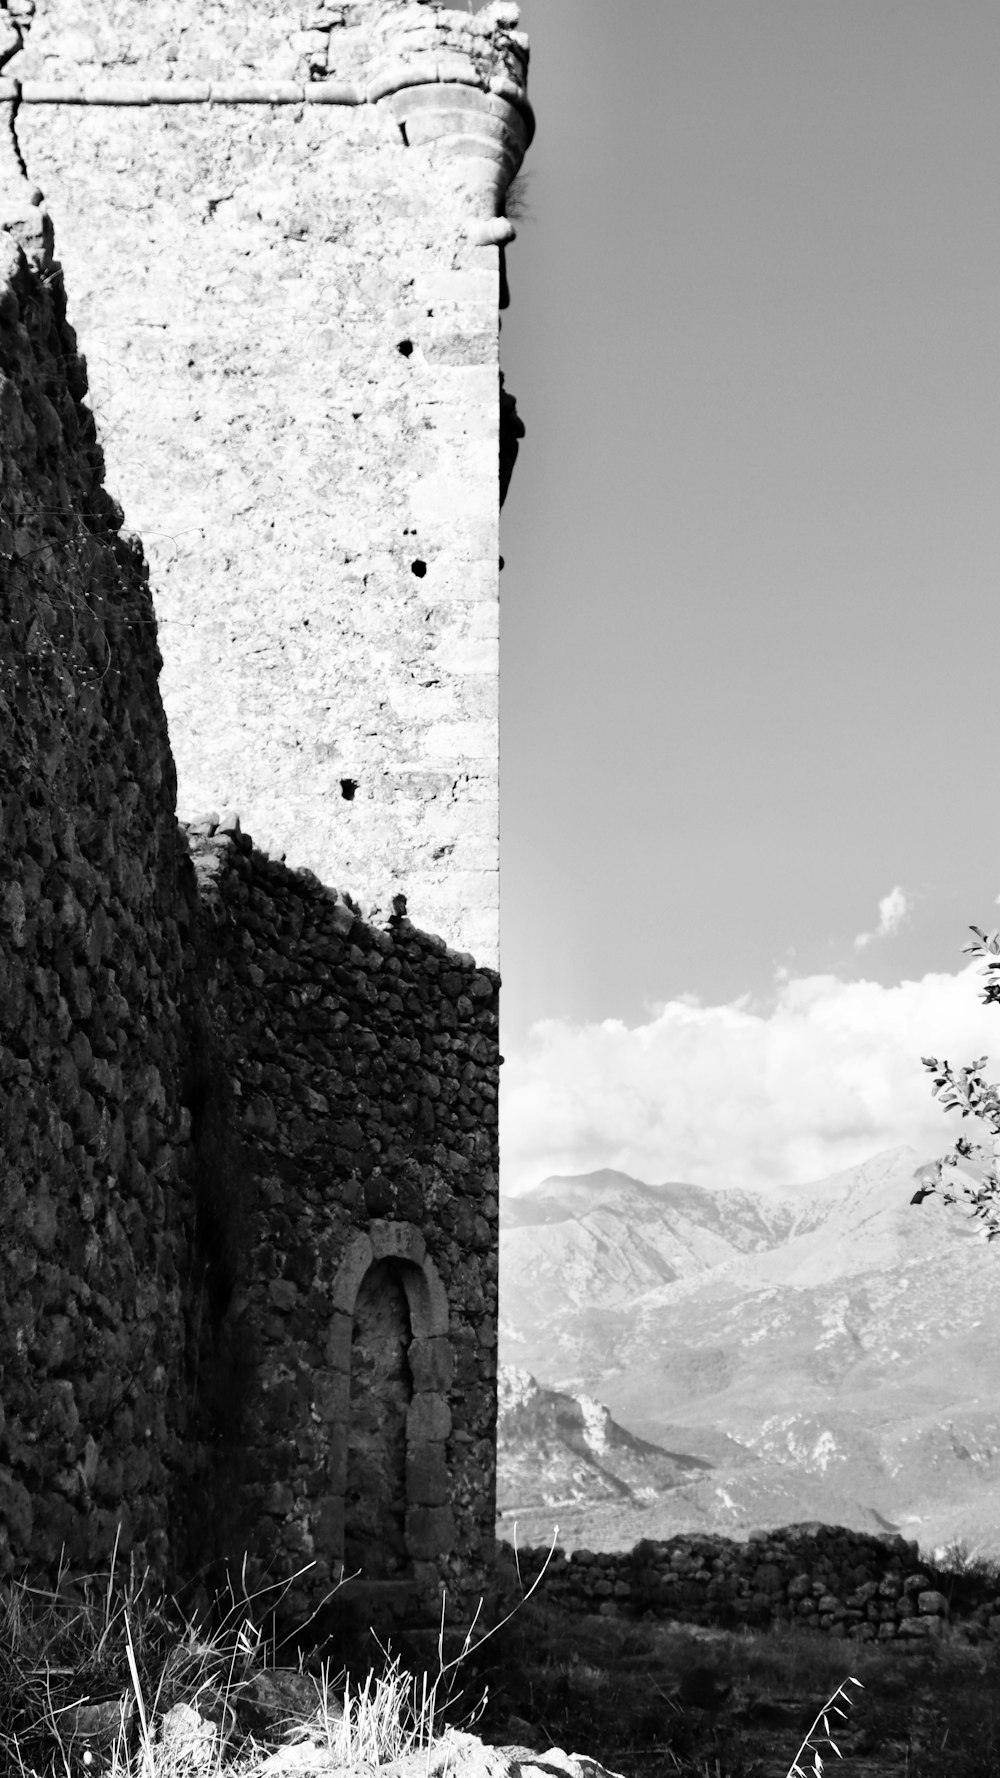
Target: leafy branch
[{"x": 967, "y": 1091}]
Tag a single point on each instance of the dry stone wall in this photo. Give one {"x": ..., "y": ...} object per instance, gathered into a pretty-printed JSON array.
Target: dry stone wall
[
  {"x": 352, "y": 1235},
  {"x": 96, "y": 915},
  {"x": 845, "y": 1583},
  {"x": 295, "y": 308}
]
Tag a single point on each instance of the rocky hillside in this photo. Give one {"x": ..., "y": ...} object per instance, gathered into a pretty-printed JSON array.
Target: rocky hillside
[
  {"x": 828, "y": 1352},
  {"x": 562, "y": 1454}
]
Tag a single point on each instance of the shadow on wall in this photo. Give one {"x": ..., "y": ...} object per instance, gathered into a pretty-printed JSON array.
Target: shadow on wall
[
  {"x": 390, "y": 1351},
  {"x": 380, "y": 1396},
  {"x": 342, "y": 1105}
]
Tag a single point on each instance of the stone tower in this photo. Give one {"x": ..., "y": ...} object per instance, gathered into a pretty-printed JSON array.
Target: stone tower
[
  {"x": 283, "y": 233},
  {"x": 248, "y": 1158}
]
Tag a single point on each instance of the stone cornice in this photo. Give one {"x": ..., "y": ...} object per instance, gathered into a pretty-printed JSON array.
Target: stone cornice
[
  {"x": 180, "y": 92},
  {"x": 397, "y": 79}
]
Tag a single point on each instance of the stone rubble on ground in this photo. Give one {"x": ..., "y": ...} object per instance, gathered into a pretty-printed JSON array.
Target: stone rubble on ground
[{"x": 455, "y": 1755}]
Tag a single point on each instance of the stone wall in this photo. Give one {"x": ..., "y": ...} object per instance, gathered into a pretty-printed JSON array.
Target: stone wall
[
  {"x": 351, "y": 1234},
  {"x": 249, "y": 1147},
  {"x": 248, "y": 1282},
  {"x": 291, "y": 316},
  {"x": 846, "y": 1583},
  {"x": 96, "y": 912}
]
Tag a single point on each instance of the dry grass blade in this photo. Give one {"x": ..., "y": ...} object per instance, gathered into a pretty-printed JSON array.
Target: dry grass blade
[
  {"x": 821, "y": 1720},
  {"x": 91, "y": 1666}
]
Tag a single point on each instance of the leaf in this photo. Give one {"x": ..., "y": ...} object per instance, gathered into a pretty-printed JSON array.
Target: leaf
[{"x": 926, "y": 1191}]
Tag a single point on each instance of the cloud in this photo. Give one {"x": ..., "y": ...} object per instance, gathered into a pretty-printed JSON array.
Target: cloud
[
  {"x": 829, "y": 1075},
  {"x": 893, "y": 909}
]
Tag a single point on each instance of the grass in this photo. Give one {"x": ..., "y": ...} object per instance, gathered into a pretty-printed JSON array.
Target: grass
[
  {"x": 818, "y": 1735},
  {"x": 103, "y": 1673},
  {"x": 657, "y": 1699}
]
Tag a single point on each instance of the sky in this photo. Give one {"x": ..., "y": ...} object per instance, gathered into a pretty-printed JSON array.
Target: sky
[{"x": 750, "y": 593}]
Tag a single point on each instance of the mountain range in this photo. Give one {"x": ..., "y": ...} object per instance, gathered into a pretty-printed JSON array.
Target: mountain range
[{"x": 827, "y": 1351}]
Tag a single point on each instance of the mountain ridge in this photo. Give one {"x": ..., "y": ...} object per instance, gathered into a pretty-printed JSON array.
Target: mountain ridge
[{"x": 833, "y": 1346}]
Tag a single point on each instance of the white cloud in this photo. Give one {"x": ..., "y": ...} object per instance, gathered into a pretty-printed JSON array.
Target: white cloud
[
  {"x": 827, "y": 1077},
  {"x": 892, "y": 911}
]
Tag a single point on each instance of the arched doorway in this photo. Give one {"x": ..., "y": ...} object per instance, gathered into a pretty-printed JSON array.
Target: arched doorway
[
  {"x": 384, "y": 1397},
  {"x": 381, "y": 1391}
]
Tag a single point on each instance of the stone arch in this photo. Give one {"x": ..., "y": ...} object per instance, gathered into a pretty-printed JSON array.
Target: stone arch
[
  {"x": 380, "y": 1390},
  {"x": 389, "y": 1329}
]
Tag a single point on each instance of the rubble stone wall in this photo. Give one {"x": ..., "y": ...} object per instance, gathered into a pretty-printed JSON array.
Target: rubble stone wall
[
  {"x": 96, "y": 916},
  {"x": 354, "y": 1232},
  {"x": 291, "y": 318},
  {"x": 846, "y": 1583},
  {"x": 231, "y": 1106},
  {"x": 248, "y": 1153}
]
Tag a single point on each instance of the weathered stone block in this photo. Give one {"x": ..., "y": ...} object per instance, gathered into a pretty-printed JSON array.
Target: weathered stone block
[
  {"x": 428, "y": 1419},
  {"x": 427, "y": 1480},
  {"x": 430, "y": 1532},
  {"x": 431, "y": 1365},
  {"x": 330, "y": 1397}
]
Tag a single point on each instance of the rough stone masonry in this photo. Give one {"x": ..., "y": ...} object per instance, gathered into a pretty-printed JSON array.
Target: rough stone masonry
[
  {"x": 291, "y": 315},
  {"x": 248, "y": 1153},
  {"x": 851, "y": 1585}
]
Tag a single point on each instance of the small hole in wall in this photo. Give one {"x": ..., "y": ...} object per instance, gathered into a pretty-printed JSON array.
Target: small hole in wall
[
  {"x": 348, "y": 788},
  {"x": 404, "y": 348},
  {"x": 418, "y": 568}
]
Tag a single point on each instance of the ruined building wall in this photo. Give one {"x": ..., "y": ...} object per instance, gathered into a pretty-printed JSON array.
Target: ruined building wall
[
  {"x": 248, "y": 1155},
  {"x": 96, "y": 906},
  {"x": 348, "y": 1341},
  {"x": 248, "y": 1152},
  {"x": 291, "y": 316}
]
